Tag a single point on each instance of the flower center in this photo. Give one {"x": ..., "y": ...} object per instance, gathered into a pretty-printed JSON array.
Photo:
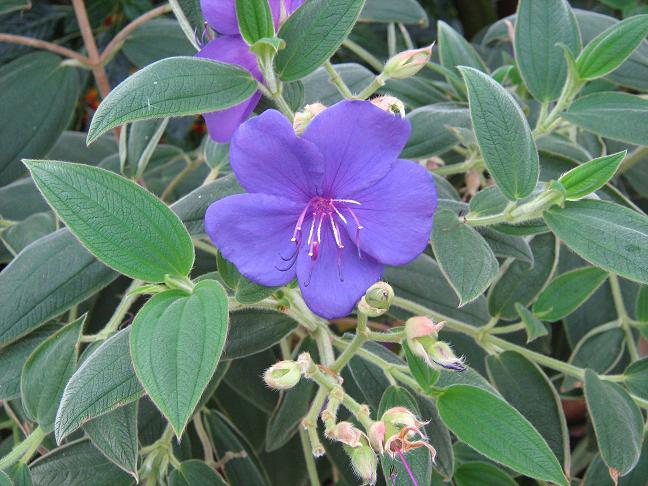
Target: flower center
[{"x": 325, "y": 212}]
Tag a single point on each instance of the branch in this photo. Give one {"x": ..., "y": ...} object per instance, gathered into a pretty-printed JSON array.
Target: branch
[{"x": 48, "y": 46}]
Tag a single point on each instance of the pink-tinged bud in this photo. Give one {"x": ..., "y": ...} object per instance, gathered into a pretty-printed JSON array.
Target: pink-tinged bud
[
  {"x": 377, "y": 435},
  {"x": 401, "y": 416},
  {"x": 420, "y": 326},
  {"x": 347, "y": 433},
  {"x": 303, "y": 118},
  {"x": 422, "y": 338},
  {"x": 390, "y": 104},
  {"x": 441, "y": 354},
  {"x": 282, "y": 375},
  {"x": 364, "y": 462},
  {"x": 406, "y": 64}
]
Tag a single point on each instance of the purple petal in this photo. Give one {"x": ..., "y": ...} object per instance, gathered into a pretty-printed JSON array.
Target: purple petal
[
  {"x": 221, "y": 15},
  {"x": 291, "y": 6},
  {"x": 396, "y": 214},
  {"x": 232, "y": 50},
  {"x": 359, "y": 142},
  {"x": 253, "y": 231},
  {"x": 325, "y": 293},
  {"x": 268, "y": 157}
]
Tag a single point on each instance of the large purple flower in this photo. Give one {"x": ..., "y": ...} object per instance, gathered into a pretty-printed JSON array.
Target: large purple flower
[
  {"x": 232, "y": 49},
  {"x": 331, "y": 207}
]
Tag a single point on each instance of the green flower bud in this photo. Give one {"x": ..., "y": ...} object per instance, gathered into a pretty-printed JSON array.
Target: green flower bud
[
  {"x": 364, "y": 461},
  {"x": 380, "y": 295},
  {"x": 406, "y": 64},
  {"x": 282, "y": 375}
]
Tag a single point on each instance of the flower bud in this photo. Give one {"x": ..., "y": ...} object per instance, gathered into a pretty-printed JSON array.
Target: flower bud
[
  {"x": 305, "y": 363},
  {"x": 422, "y": 338},
  {"x": 406, "y": 64},
  {"x": 398, "y": 430},
  {"x": 364, "y": 462},
  {"x": 441, "y": 354},
  {"x": 282, "y": 375},
  {"x": 380, "y": 295},
  {"x": 377, "y": 435},
  {"x": 390, "y": 104},
  {"x": 303, "y": 118},
  {"x": 347, "y": 433}
]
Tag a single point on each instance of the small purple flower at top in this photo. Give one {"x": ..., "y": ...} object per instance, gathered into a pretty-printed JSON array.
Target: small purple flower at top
[
  {"x": 230, "y": 48},
  {"x": 331, "y": 207}
]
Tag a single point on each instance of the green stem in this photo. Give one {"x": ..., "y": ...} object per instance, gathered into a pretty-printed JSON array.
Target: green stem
[
  {"x": 311, "y": 467},
  {"x": 386, "y": 337},
  {"x": 206, "y": 247},
  {"x": 377, "y": 83},
  {"x": 24, "y": 450},
  {"x": 571, "y": 88},
  {"x": 189, "y": 168},
  {"x": 337, "y": 80},
  {"x": 406, "y": 36},
  {"x": 364, "y": 54},
  {"x": 357, "y": 342},
  {"x": 208, "y": 450},
  {"x": 624, "y": 320},
  {"x": 391, "y": 39},
  {"x": 118, "y": 316},
  {"x": 309, "y": 423},
  {"x": 459, "y": 168},
  {"x": 508, "y": 329}
]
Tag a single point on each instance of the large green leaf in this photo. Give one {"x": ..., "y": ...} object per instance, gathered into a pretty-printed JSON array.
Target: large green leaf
[
  {"x": 419, "y": 460},
  {"x": 47, "y": 278},
  {"x": 195, "y": 473},
  {"x": 176, "y": 342},
  {"x": 617, "y": 421},
  {"x": 463, "y": 255},
  {"x": 105, "y": 381},
  {"x": 635, "y": 378},
  {"x": 175, "y": 86},
  {"x": 455, "y": 51},
  {"x": 473, "y": 472},
  {"x": 524, "y": 385},
  {"x": 13, "y": 358},
  {"x": 612, "y": 47},
  {"x": 115, "y": 435},
  {"x": 567, "y": 292},
  {"x": 37, "y": 95},
  {"x": 155, "y": 40},
  {"x": 78, "y": 462},
  {"x": 503, "y": 135},
  {"x": 539, "y": 27},
  {"x": 121, "y": 223},
  {"x": 313, "y": 33},
  {"x": 621, "y": 116},
  {"x": 46, "y": 373},
  {"x": 607, "y": 235},
  {"x": 405, "y": 12},
  {"x": 522, "y": 282},
  {"x": 590, "y": 176},
  {"x": 495, "y": 429}
]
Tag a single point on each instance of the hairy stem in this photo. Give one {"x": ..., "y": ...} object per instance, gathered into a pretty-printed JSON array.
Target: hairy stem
[
  {"x": 337, "y": 80},
  {"x": 364, "y": 54},
  {"x": 623, "y": 317}
]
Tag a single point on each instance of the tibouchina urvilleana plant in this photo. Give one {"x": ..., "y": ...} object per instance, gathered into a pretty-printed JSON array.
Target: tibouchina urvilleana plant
[{"x": 323, "y": 242}]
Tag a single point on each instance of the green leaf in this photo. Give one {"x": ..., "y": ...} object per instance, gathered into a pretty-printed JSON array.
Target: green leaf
[
  {"x": 28, "y": 85},
  {"x": 605, "y": 234},
  {"x": 46, "y": 373},
  {"x": 407, "y": 12},
  {"x": 78, "y": 462},
  {"x": 105, "y": 381},
  {"x": 608, "y": 50},
  {"x": 456, "y": 51},
  {"x": 534, "y": 326},
  {"x": 522, "y": 282},
  {"x": 539, "y": 27},
  {"x": 591, "y": 176},
  {"x": 370, "y": 379},
  {"x": 176, "y": 86},
  {"x": 155, "y": 40},
  {"x": 11, "y": 5},
  {"x": 635, "y": 377},
  {"x": 641, "y": 305},
  {"x": 617, "y": 421},
  {"x": 143, "y": 138},
  {"x": 313, "y": 33},
  {"x": 431, "y": 133},
  {"x": 47, "y": 278},
  {"x": 474, "y": 472},
  {"x": 464, "y": 257},
  {"x": 13, "y": 358},
  {"x": 425, "y": 376},
  {"x": 420, "y": 460},
  {"x": 567, "y": 292},
  {"x": 254, "y": 20},
  {"x": 176, "y": 342},
  {"x": 495, "y": 429},
  {"x": 503, "y": 135},
  {"x": 523, "y": 384},
  {"x": 505, "y": 246},
  {"x": 20, "y": 474},
  {"x": 620, "y": 116},
  {"x": 115, "y": 435},
  {"x": 120, "y": 222},
  {"x": 20, "y": 235},
  {"x": 195, "y": 473},
  {"x": 5, "y": 480},
  {"x": 254, "y": 330},
  {"x": 245, "y": 291},
  {"x": 438, "y": 435}
]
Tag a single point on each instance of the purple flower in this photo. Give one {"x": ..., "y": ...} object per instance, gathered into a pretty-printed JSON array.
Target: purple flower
[
  {"x": 331, "y": 207},
  {"x": 232, "y": 49}
]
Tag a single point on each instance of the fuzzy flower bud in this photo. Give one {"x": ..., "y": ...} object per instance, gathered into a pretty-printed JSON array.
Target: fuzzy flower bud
[
  {"x": 282, "y": 375},
  {"x": 376, "y": 300},
  {"x": 364, "y": 462},
  {"x": 390, "y": 104},
  {"x": 303, "y": 118},
  {"x": 347, "y": 433},
  {"x": 422, "y": 338},
  {"x": 398, "y": 431},
  {"x": 407, "y": 63}
]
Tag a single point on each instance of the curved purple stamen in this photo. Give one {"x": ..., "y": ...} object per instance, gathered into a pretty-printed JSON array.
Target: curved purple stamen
[{"x": 407, "y": 468}]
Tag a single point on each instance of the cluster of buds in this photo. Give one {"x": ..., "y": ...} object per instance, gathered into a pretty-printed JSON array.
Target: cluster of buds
[
  {"x": 376, "y": 300},
  {"x": 397, "y": 432},
  {"x": 303, "y": 118},
  {"x": 356, "y": 444},
  {"x": 407, "y": 63},
  {"x": 423, "y": 340}
]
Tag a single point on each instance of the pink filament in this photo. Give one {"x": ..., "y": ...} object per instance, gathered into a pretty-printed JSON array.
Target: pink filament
[{"x": 407, "y": 468}]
